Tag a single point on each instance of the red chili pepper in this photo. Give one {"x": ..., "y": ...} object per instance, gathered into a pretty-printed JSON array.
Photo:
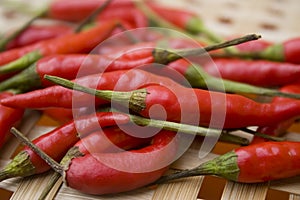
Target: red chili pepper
[
  {"x": 57, "y": 142},
  {"x": 237, "y": 110},
  {"x": 292, "y": 50},
  {"x": 267, "y": 73},
  {"x": 36, "y": 33},
  {"x": 251, "y": 164},
  {"x": 8, "y": 118},
  {"x": 106, "y": 173},
  {"x": 112, "y": 139},
  {"x": 84, "y": 41},
  {"x": 57, "y": 96},
  {"x": 77, "y": 10},
  {"x": 278, "y": 129}
]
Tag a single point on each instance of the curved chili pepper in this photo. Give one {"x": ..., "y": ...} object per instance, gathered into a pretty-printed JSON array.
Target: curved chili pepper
[
  {"x": 106, "y": 179},
  {"x": 84, "y": 41},
  {"x": 36, "y": 33},
  {"x": 104, "y": 173},
  {"x": 238, "y": 111},
  {"x": 56, "y": 143},
  {"x": 251, "y": 164},
  {"x": 267, "y": 73},
  {"x": 281, "y": 127},
  {"x": 8, "y": 118}
]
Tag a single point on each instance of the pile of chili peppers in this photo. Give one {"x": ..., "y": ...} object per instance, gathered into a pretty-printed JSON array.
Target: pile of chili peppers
[{"x": 129, "y": 103}]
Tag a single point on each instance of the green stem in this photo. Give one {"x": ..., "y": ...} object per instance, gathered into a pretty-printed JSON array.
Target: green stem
[
  {"x": 4, "y": 41},
  {"x": 199, "y": 78},
  {"x": 23, "y": 81},
  {"x": 91, "y": 18},
  {"x": 225, "y": 166},
  {"x": 166, "y": 56},
  {"x": 189, "y": 129},
  {"x": 134, "y": 99},
  {"x": 20, "y": 63},
  {"x": 196, "y": 26}
]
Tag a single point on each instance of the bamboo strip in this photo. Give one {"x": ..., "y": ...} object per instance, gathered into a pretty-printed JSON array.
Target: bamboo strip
[
  {"x": 185, "y": 189},
  {"x": 294, "y": 197},
  {"x": 52, "y": 193},
  {"x": 31, "y": 187},
  {"x": 237, "y": 191},
  {"x": 66, "y": 193}
]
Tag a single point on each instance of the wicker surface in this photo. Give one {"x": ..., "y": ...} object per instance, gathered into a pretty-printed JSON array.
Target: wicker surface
[{"x": 275, "y": 20}]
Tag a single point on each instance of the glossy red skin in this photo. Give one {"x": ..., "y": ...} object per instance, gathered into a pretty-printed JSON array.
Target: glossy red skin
[
  {"x": 87, "y": 174},
  {"x": 58, "y": 141},
  {"x": 68, "y": 43},
  {"x": 8, "y": 118},
  {"x": 281, "y": 127},
  {"x": 236, "y": 110},
  {"x": 268, "y": 161},
  {"x": 77, "y": 10},
  {"x": 112, "y": 139},
  {"x": 267, "y": 73},
  {"x": 57, "y": 96},
  {"x": 72, "y": 66},
  {"x": 291, "y": 50},
  {"x": 38, "y": 33}
]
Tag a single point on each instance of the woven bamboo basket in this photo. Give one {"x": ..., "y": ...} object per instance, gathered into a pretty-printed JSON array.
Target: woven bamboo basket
[{"x": 275, "y": 20}]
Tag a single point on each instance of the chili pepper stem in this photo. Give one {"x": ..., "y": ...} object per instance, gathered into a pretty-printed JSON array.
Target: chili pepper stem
[
  {"x": 224, "y": 166},
  {"x": 21, "y": 162},
  {"x": 163, "y": 56},
  {"x": 23, "y": 81},
  {"x": 20, "y": 63},
  {"x": 133, "y": 99},
  {"x": 201, "y": 79},
  {"x": 189, "y": 129},
  {"x": 55, "y": 166}
]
